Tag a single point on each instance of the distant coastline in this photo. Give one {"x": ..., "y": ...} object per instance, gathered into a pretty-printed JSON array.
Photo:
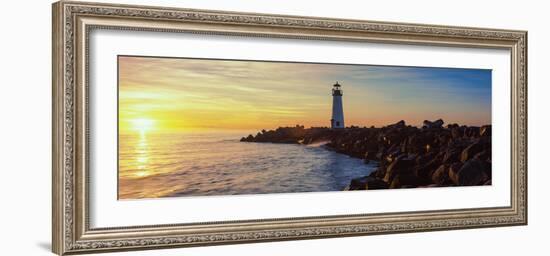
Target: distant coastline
[{"x": 408, "y": 157}]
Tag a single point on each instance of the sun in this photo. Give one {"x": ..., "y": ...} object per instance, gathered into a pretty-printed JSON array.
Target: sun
[{"x": 143, "y": 124}]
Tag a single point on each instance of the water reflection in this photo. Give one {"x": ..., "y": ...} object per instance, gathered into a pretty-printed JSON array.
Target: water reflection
[{"x": 142, "y": 156}]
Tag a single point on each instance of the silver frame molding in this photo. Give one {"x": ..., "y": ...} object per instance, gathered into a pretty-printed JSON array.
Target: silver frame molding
[{"x": 72, "y": 22}]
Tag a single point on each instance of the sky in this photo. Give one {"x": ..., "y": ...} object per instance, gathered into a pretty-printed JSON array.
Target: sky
[{"x": 180, "y": 94}]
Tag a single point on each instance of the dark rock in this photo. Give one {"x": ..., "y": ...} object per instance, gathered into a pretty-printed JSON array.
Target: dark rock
[
  {"x": 399, "y": 124},
  {"x": 406, "y": 186},
  {"x": 454, "y": 168},
  {"x": 424, "y": 172},
  {"x": 367, "y": 183},
  {"x": 457, "y": 132},
  {"x": 484, "y": 155},
  {"x": 470, "y": 151},
  {"x": 471, "y": 132},
  {"x": 472, "y": 173},
  {"x": 358, "y": 183},
  {"x": 370, "y": 155},
  {"x": 373, "y": 184},
  {"x": 441, "y": 175},
  {"x": 404, "y": 180},
  {"x": 452, "y": 126},
  {"x": 451, "y": 156},
  {"x": 425, "y": 158},
  {"x": 488, "y": 169},
  {"x": 435, "y": 124},
  {"x": 380, "y": 155},
  {"x": 485, "y": 131},
  {"x": 401, "y": 164},
  {"x": 379, "y": 173}
]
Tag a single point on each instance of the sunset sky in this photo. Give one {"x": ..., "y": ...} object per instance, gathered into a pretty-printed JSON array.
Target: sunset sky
[{"x": 172, "y": 94}]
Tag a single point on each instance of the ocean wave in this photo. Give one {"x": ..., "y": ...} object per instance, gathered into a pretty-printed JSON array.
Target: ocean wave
[{"x": 191, "y": 166}]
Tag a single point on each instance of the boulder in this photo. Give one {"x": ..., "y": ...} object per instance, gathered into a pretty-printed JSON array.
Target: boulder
[
  {"x": 424, "y": 172},
  {"x": 451, "y": 156},
  {"x": 399, "y": 124},
  {"x": 379, "y": 173},
  {"x": 424, "y": 158},
  {"x": 435, "y": 124},
  {"x": 380, "y": 155},
  {"x": 370, "y": 155},
  {"x": 470, "y": 151},
  {"x": 358, "y": 183},
  {"x": 452, "y": 126},
  {"x": 441, "y": 175},
  {"x": 484, "y": 155},
  {"x": 453, "y": 171},
  {"x": 373, "y": 184},
  {"x": 457, "y": 132},
  {"x": 404, "y": 180},
  {"x": 472, "y": 173},
  {"x": 400, "y": 164},
  {"x": 485, "y": 131},
  {"x": 407, "y": 186},
  {"x": 471, "y": 132},
  {"x": 429, "y": 186},
  {"x": 488, "y": 168},
  {"x": 367, "y": 183}
]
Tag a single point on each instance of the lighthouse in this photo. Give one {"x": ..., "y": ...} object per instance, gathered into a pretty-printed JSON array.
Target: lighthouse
[{"x": 337, "y": 121}]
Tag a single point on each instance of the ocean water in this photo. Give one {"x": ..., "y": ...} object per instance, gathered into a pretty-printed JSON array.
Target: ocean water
[{"x": 216, "y": 163}]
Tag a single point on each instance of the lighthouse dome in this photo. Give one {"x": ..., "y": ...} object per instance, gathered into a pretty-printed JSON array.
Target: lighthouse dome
[{"x": 336, "y": 89}]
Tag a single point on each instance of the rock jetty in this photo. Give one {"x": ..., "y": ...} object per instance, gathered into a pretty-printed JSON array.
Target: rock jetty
[{"x": 431, "y": 156}]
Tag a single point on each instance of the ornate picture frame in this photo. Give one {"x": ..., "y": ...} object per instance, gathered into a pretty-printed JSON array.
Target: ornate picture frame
[{"x": 72, "y": 23}]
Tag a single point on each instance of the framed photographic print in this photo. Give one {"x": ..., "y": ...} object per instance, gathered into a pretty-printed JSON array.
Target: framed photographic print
[{"x": 179, "y": 127}]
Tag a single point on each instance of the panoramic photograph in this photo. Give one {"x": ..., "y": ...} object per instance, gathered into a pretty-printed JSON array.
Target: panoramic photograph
[{"x": 213, "y": 127}]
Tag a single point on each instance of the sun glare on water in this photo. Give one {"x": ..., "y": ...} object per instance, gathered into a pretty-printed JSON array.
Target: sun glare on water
[
  {"x": 143, "y": 125},
  {"x": 141, "y": 159}
]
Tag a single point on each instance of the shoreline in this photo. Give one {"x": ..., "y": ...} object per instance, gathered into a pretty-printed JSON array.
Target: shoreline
[{"x": 407, "y": 156}]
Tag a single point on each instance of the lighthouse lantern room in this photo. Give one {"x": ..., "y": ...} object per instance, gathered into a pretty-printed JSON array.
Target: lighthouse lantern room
[{"x": 337, "y": 120}]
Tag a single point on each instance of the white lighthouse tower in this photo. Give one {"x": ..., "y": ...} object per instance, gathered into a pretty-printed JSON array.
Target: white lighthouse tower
[{"x": 337, "y": 121}]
